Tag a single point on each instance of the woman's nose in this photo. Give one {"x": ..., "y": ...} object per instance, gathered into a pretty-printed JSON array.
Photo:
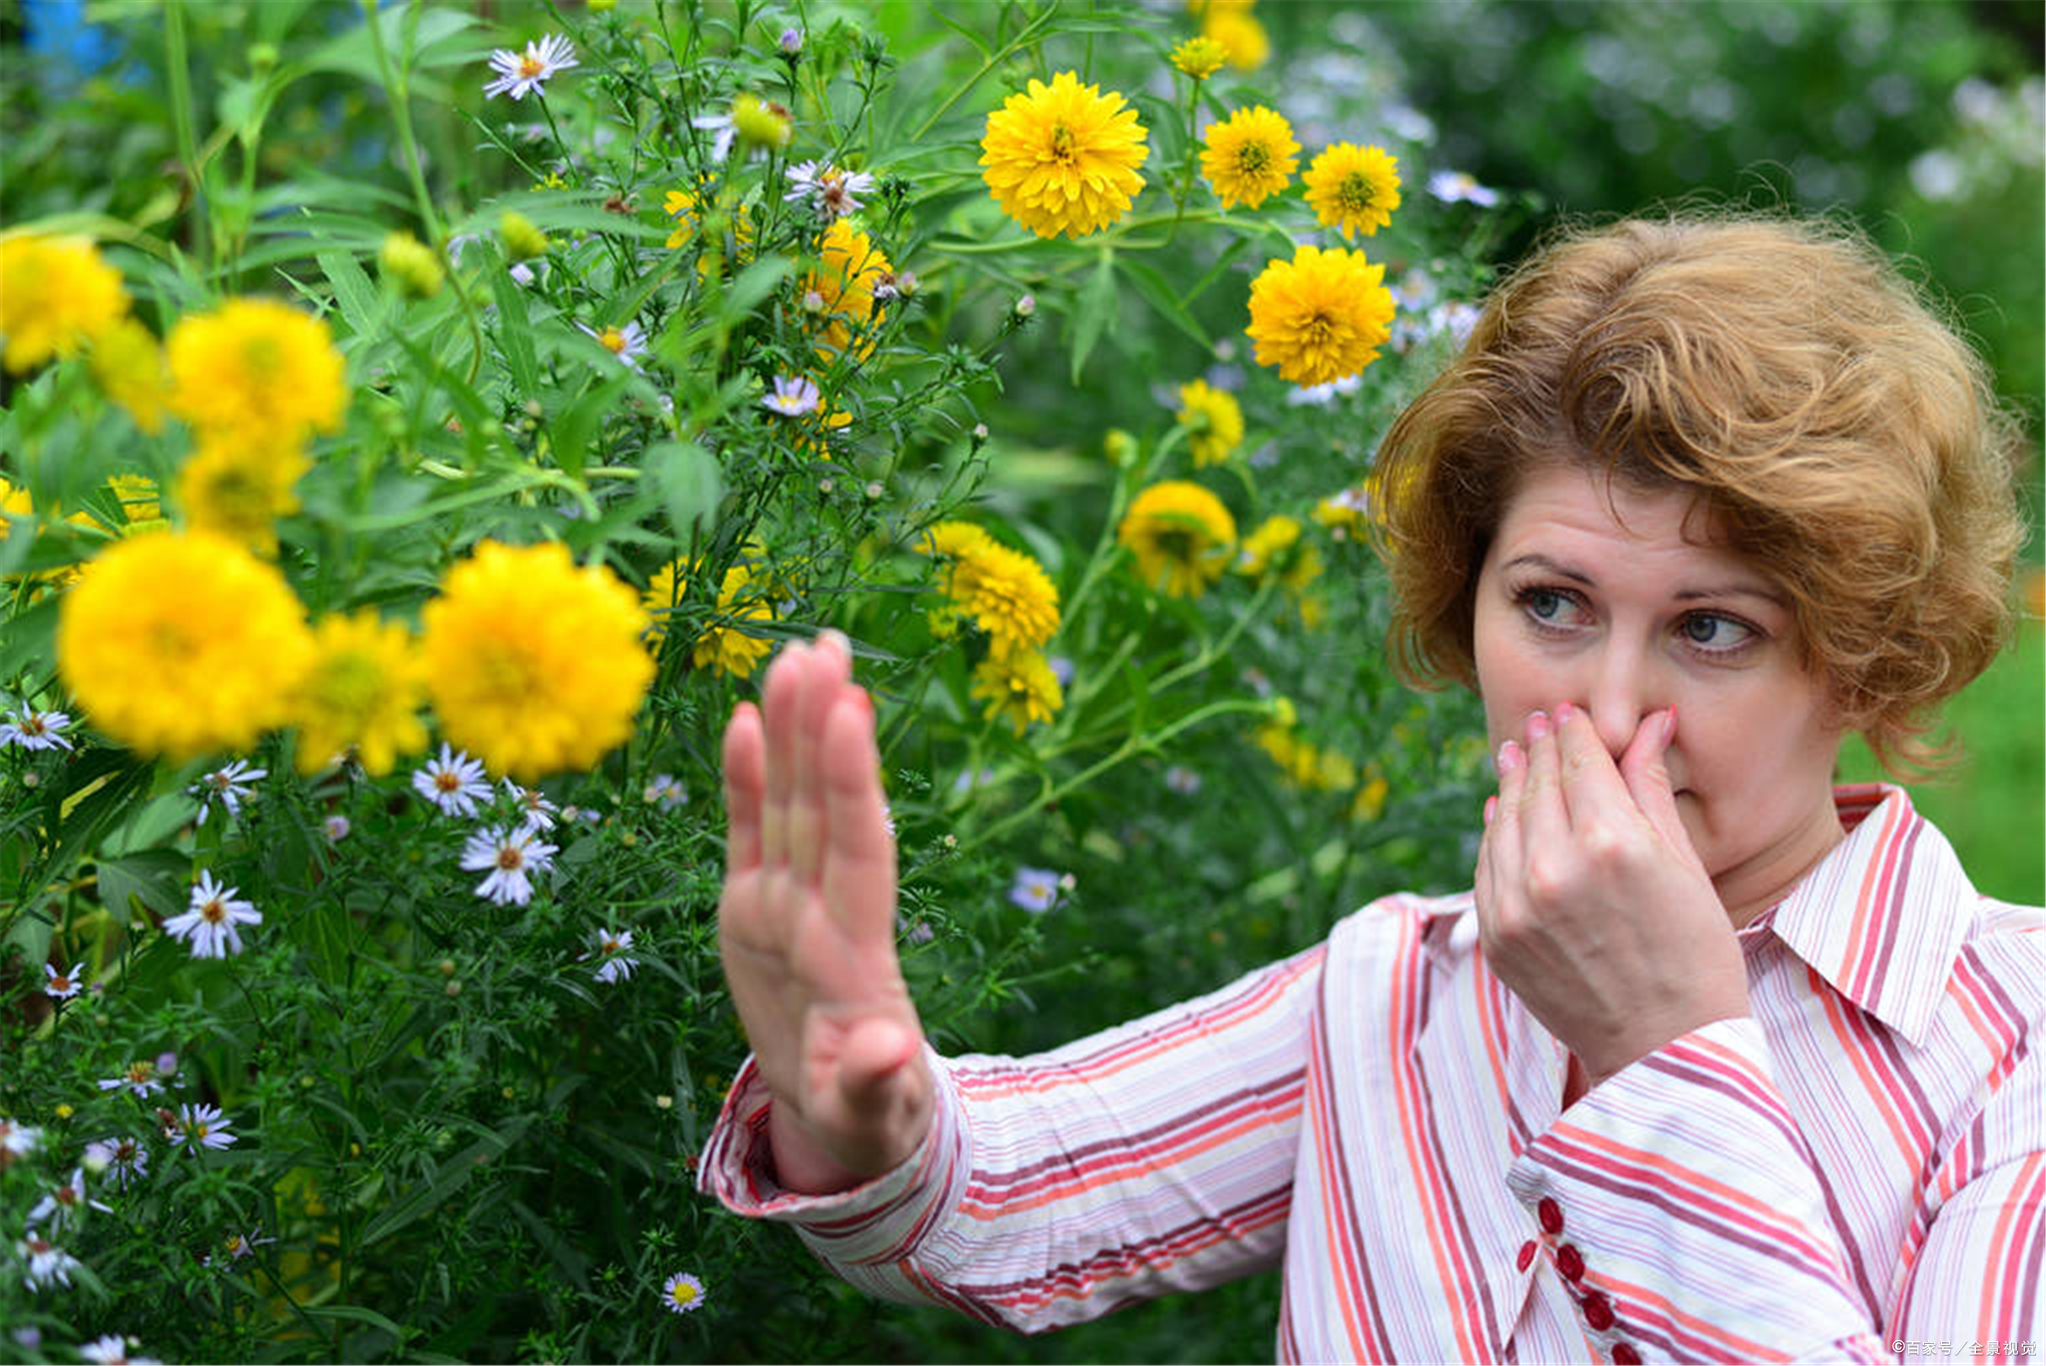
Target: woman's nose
[{"x": 1621, "y": 690}]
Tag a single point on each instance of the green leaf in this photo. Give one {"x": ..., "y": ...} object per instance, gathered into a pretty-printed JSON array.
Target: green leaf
[
  {"x": 755, "y": 283},
  {"x": 1097, "y": 303},
  {"x": 584, "y": 418},
  {"x": 514, "y": 333},
  {"x": 361, "y": 304},
  {"x": 422, "y": 1199},
  {"x": 687, "y": 478},
  {"x": 152, "y": 879},
  {"x": 1158, "y": 293}
]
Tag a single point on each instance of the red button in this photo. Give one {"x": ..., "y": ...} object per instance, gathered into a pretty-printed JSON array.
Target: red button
[
  {"x": 1598, "y": 1311},
  {"x": 1570, "y": 1262},
  {"x": 1527, "y": 1252},
  {"x": 1625, "y": 1355},
  {"x": 1551, "y": 1215}
]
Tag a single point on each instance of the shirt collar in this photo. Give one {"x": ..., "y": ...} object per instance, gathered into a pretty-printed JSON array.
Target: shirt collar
[{"x": 1883, "y": 915}]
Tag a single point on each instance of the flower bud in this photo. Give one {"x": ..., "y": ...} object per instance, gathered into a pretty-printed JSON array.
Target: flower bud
[
  {"x": 522, "y": 241},
  {"x": 791, "y": 42},
  {"x": 1026, "y": 305},
  {"x": 411, "y": 265},
  {"x": 761, "y": 123}
]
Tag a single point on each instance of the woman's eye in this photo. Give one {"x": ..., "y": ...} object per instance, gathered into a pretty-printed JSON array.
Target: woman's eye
[
  {"x": 1547, "y": 606},
  {"x": 1708, "y": 631}
]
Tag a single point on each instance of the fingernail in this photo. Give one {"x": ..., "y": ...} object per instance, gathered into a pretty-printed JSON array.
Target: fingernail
[
  {"x": 1564, "y": 713},
  {"x": 838, "y": 638},
  {"x": 1509, "y": 756},
  {"x": 1491, "y": 805},
  {"x": 1669, "y": 727},
  {"x": 1537, "y": 724}
]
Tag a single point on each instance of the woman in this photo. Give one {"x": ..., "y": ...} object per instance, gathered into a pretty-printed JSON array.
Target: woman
[{"x": 1714, "y": 1061}]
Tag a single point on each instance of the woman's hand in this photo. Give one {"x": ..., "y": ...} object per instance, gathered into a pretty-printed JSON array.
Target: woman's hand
[
  {"x": 1592, "y": 905},
  {"x": 806, "y": 926}
]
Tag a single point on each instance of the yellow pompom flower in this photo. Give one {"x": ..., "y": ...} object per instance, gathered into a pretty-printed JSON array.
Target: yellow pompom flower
[
  {"x": 1063, "y": 158},
  {"x": 1249, "y": 156},
  {"x": 257, "y": 370},
  {"x": 535, "y": 664},
  {"x": 1200, "y": 58},
  {"x": 1275, "y": 551},
  {"x": 181, "y": 644},
  {"x": 956, "y": 539},
  {"x": 1238, "y": 34},
  {"x": 1320, "y": 316},
  {"x": 523, "y": 241},
  {"x": 1181, "y": 535},
  {"x": 128, "y": 363},
  {"x": 1019, "y": 688},
  {"x": 239, "y": 490},
  {"x": 55, "y": 295},
  {"x": 1353, "y": 188},
  {"x": 1369, "y": 803},
  {"x": 728, "y": 650},
  {"x": 1010, "y": 596},
  {"x": 1214, "y": 421},
  {"x": 849, "y": 266},
  {"x": 411, "y": 265},
  {"x": 363, "y": 688},
  {"x": 730, "y": 226}
]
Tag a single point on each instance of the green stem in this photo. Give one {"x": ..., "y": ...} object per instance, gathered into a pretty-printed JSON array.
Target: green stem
[
  {"x": 398, "y": 87},
  {"x": 1020, "y": 41},
  {"x": 181, "y": 116},
  {"x": 1193, "y": 106}
]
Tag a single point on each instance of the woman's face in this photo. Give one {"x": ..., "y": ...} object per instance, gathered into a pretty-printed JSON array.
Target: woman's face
[{"x": 1625, "y": 616}]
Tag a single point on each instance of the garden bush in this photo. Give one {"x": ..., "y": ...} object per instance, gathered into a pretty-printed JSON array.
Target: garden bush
[{"x": 422, "y": 422}]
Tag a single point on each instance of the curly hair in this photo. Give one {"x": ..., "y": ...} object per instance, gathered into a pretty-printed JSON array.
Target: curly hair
[{"x": 1842, "y": 435}]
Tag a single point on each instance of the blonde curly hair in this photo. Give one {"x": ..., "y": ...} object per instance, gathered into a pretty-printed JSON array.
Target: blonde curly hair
[{"x": 1844, "y": 437}]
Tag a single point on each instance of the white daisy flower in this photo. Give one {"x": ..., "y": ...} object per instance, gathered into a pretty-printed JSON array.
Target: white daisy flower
[
  {"x": 792, "y": 397},
  {"x": 610, "y": 947},
  {"x": 538, "y": 811},
  {"x": 112, "y": 1350},
  {"x": 209, "y": 926},
  {"x": 1321, "y": 395},
  {"x": 519, "y": 72},
  {"x": 47, "y": 1262},
  {"x": 236, "y": 1246},
  {"x": 1183, "y": 780},
  {"x": 228, "y": 786},
  {"x": 666, "y": 790},
  {"x": 122, "y": 1159},
  {"x": 1453, "y": 187},
  {"x": 17, "y": 1140},
  {"x": 628, "y": 343},
  {"x": 832, "y": 192},
  {"x": 511, "y": 856},
  {"x": 454, "y": 782},
  {"x": 682, "y": 1293},
  {"x": 140, "y": 1078},
  {"x": 200, "y": 1126},
  {"x": 62, "y": 1204},
  {"x": 1035, "y": 889},
  {"x": 337, "y": 828},
  {"x": 32, "y": 729},
  {"x": 721, "y": 124},
  {"x": 60, "y": 986}
]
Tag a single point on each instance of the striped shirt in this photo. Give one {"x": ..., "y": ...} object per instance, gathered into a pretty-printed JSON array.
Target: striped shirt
[{"x": 1854, "y": 1171}]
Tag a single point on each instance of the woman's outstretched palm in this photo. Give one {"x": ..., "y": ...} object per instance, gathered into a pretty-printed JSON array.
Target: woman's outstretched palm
[{"x": 806, "y": 925}]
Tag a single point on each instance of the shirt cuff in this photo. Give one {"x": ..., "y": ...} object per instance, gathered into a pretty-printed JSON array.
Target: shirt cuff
[
  {"x": 1681, "y": 1205},
  {"x": 881, "y": 1220}
]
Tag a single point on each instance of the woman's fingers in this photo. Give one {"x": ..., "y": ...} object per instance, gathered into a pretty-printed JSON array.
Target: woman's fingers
[
  {"x": 826, "y": 666},
  {"x": 859, "y": 855},
  {"x": 745, "y": 769},
  {"x": 779, "y": 695},
  {"x": 1593, "y": 794},
  {"x": 1543, "y": 819},
  {"x": 1645, "y": 770}
]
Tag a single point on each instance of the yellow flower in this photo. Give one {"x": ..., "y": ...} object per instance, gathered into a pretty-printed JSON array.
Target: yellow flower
[
  {"x": 1063, "y": 158},
  {"x": 1321, "y": 316},
  {"x": 1369, "y": 803},
  {"x": 1010, "y": 596},
  {"x": 1239, "y": 35},
  {"x": 849, "y": 266},
  {"x": 412, "y": 264},
  {"x": 957, "y": 539},
  {"x": 257, "y": 370},
  {"x": 239, "y": 490},
  {"x": 761, "y": 123},
  {"x": 687, "y": 210},
  {"x": 128, "y": 363},
  {"x": 137, "y": 493},
  {"x": 363, "y": 688},
  {"x": 1200, "y": 58},
  {"x": 1181, "y": 533},
  {"x": 1269, "y": 547},
  {"x": 1354, "y": 188},
  {"x": 1249, "y": 156},
  {"x": 1213, "y": 419},
  {"x": 726, "y": 649},
  {"x": 535, "y": 665},
  {"x": 55, "y": 294},
  {"x": 1349, "y": 512},
  {"x": 181, "y": 644},
  {"x": 1019, "y": 688}
]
